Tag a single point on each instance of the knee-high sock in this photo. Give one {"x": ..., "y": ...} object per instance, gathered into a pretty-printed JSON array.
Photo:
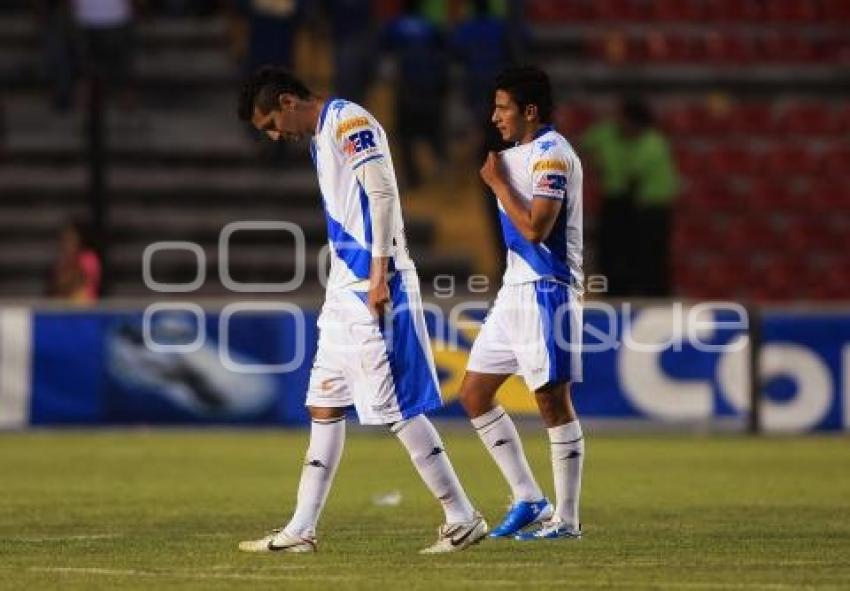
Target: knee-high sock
[
  {"x": 500, "y": 437},
  {"x": 567, "y": 444},
  {"x": 327, "y": 437},
  {"x": 423, "y": 443}
]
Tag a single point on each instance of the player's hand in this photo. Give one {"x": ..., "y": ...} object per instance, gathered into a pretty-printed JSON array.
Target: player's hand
[
  {"x": 492, "y": 173},
  {"x": 378, "y": 298}
]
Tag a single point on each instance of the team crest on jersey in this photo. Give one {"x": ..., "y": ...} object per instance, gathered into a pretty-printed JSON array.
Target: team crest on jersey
[
  {"x": 351, "y": 124},
  {"x": 551, "y": 183},
  {"x": 547, "y": 145},
  {"x": 551, "y": 164}
]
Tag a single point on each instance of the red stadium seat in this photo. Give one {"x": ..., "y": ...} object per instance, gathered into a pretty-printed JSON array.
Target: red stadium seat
[
  {"x": 734, "y": 11},
  {"x": 617, "y": 10},
  {"x": 548, "y": 11},
  {"x": 691, "y": 162},
  {"x": 752, "y": 119},
  {"x": 726, "y": 48},
  {"x": 731, "y": 160},
  {"x": 790, "y": 159},
  {"x": 792, "y": 11},
  {"x": 809, "y": 119},
  {"x": 767, "y": 195},
  {"x": 661, "y": 47},
  {"x": 836, "y": 11},
  {"x": 786, "y": 47},
  {"x": 677, "y": 10},
  {"x": 573, "y": 119},
  {"x": 837, "y": 161}
]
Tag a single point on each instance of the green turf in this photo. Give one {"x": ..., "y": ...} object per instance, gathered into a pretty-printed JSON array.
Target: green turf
[{"x": 140, "y": 509}]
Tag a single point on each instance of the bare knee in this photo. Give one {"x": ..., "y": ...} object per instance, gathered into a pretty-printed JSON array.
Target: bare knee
[
  {"x": 555, "y": 404},
  {"x": 478, "y": 391},
  {"x": 323, "y": 413}
]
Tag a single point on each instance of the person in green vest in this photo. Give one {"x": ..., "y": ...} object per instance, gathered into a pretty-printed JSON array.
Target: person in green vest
[{"x": 639, "y": 182}]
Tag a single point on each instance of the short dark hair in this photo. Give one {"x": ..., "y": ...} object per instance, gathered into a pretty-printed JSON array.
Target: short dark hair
[
  {"x": 528, "y": 85},
  {"x": 263, "y": 88}
]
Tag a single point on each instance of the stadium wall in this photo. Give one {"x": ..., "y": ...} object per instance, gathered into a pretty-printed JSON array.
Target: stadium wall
[{"x": 248, "y": 364}]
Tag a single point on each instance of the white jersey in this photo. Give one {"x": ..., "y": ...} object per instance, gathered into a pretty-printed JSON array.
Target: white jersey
[
  {"x": 545, "y": 168},
  {"x": 347, "y": 136}
]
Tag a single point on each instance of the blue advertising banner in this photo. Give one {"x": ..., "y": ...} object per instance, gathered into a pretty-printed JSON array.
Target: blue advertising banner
[{"x": 674, "y": 364}]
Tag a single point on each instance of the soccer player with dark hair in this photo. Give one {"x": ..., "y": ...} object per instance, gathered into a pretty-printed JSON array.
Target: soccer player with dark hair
[
  {"x": 373, "y": 352},
  {"x": 534, "y": 328}
]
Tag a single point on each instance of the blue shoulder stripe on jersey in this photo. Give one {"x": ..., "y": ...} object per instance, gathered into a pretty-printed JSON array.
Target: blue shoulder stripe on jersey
[
  {"x": 544, "y": 262},
  {"x": 550, "y": 197},
  {"x": 324, "y": 112},
  {"x": 542, "y": 131},
  {"x": 373, "y": 157}
]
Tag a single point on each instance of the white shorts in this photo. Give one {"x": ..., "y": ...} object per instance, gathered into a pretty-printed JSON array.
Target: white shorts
[
  {"x": 386, "y": 371},
  {"x": 535, "y": 330}
]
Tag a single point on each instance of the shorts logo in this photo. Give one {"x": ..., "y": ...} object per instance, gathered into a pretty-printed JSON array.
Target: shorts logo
[
  {"x": 358, "y": 142},
  {"x": 351, "y": 124},
  {"x": 560, "y": 165},
  {"x": 552, "y": 182}
]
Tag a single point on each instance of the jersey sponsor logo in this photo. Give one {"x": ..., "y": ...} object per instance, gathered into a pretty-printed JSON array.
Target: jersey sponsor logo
[
  {"x": 350, "y": 124},
  {"x": 552, "y": 183},
  {"x": 359, "y": 142},
  {"x": 541, "y": 165}
]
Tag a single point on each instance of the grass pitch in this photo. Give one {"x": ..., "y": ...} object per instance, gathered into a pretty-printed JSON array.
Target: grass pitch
[{"x": 137, "y": 509}]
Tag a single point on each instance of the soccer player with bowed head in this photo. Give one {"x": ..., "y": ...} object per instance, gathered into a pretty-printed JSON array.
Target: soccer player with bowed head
[
  {"x": 534, "y": 327},
  {"x": 373, "y": 351}
]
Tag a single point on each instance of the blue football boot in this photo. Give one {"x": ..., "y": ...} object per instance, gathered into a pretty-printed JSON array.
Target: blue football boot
[
  {"x": 521, "y": 515},
  {"x": 550, "y": 530}
]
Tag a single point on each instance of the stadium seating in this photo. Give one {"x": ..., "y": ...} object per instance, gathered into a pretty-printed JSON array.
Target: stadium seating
[{"x": 766, "y": 173}]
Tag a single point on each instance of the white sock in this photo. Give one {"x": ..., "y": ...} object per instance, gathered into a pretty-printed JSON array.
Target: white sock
[
  {"x": 327, "y": 437},
  {"x": 567, "y": 444},
  {"x": 422, "y": 442},
  {"x": 500, "y": 437}
]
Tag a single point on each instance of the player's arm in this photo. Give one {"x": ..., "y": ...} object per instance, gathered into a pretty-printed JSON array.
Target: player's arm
[
  {"x": 378, "y": 182},
  {"x": 535, "y": 222}
]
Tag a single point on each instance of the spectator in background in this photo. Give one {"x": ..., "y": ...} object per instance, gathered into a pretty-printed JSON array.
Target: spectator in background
[
  {"x": 107, "y": 44},
  {"x": 55, "y": 21},
  {"x": 480, "y": 43},
  {"x": 353, "y": 32},
  {"x": 419, "y": 49},
  {"x": 272, "y": 25},
  {"x": 639, "y": 183},
  {"x": 76, "y": 275},
  {"x": 653, "y": 183}
]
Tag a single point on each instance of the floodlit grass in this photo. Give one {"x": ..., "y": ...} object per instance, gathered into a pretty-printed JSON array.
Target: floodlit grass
[{"x": 144, "y": 509}]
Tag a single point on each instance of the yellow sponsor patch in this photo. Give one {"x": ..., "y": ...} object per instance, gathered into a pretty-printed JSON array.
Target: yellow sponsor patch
[
  {"x": 350, "y": 124},
  {"x": 559, "y": 165}
]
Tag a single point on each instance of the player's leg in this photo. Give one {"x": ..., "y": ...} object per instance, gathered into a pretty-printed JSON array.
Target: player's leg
[
  {"x": 429, "y": 457},
  {"x": 400, "y": 388},
  {"x": 491, "y": 362},
  {"x": 327, "y": 396},
  {"x": 555, "y": 323},
  {"x": 567, "y": 450},
  {"x": 498, "y": 433},
  {"x": 327, "y": 437}
]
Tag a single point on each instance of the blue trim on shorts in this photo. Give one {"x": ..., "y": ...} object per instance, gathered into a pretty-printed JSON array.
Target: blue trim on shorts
[
  {"x": 415, "y": 388},
  {"x": 552, "y": 295}
]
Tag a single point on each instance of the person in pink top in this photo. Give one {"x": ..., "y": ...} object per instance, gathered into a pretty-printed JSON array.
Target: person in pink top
[{"x": 77, "y": 273}]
